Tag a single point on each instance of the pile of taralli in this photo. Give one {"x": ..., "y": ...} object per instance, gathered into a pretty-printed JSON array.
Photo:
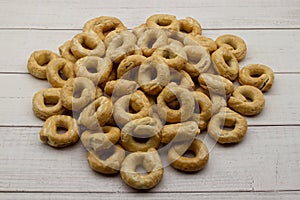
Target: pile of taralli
[{"x": 130, "y": 96}]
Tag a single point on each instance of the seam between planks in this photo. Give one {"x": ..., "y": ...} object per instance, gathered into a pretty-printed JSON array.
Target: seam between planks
[
  {"x": 252, "y": 125},
  {"x": 16, "y": 73},
  {"x": 207, "y": 29},
  {"x": 154, "y": 192}
]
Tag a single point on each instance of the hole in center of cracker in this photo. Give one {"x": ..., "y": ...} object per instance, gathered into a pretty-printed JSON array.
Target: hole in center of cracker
[
  {"x": 50, "y": 102},
  {"x": 141, "y": 170},
  {"x": 61, "y": 130},
  {"x": 106, "y": 153},
  {"x": 141, "y": 139},
  {"x": 189, "y": 154}
]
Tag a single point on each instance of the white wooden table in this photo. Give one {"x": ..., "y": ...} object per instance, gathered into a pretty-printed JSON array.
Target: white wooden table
[{"x": 266, "y": 165}]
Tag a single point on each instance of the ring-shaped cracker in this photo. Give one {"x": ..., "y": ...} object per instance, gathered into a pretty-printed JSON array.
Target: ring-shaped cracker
[
  {"x": 94, "y": 68},
  {"x": 215, "y": 84},
  {"x": 100, "y": 139},
  {"x": 146, "y": 129},
  {"x": 204, "y": 41},
  {"x": 150, "y": 40},
  {"x": 77, "y": 93},
  {"x": 121, "y": 45},
  {"x": 66, "y": 53},
  {"x": 182, "y": 78},
  {"x": 151, "y": 162},
  {"x": 137, "y": 102},
  {"x": 130, "y": 63},
  {"x": 257, "y": 75},
  {"x": 239, "y": 100},
  {"x": 47, "y": 96},
  {"x": 227, "y": 118},
  {"x": 87, "y": 44},
  {"x": 58, "y": 71},
  {"x": 120, "y": 87},
  {"x": 225, "y": 63},
  {"x": 110, "y": 165},
  {"x": 173, "y": 55},
  {"x": 234, "y": 43},
  {"x": 96, "y": 114},
  {"x": 198, "y": 60},
  {"x": 163, "y": 21},
  {"x": 104, "y": 26},
  {"x": 179, "y": 132},
  {"x": 203, "y": 109},
  {"x": 185, "y": 99},
  {"x": 49, "y": 134},
  {"x": 38, "y": 62},
  {"x": 190, "y": 26},
  {"x": 153, "y": 75},
  {"x": 189, "y": 164}
]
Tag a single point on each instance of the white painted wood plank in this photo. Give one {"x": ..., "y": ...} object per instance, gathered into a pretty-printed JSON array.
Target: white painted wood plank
[
  {"x": 15, "y": 101},
  {"x": 282, "y": 101},
  {"x": 277, "y": 48},
  {"x": 154, "y": 196},
  {"x": 70, "y": 14},
  {"x": 267, "y": 159}
]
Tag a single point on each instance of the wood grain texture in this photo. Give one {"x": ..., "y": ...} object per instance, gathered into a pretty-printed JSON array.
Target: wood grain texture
[
  {"x": 275, "y": 48},
  {"x": 266, "y": 165},
  {"x": 15, "y": 101},
  {"x": 154, "y": 196},
  {"x": 267, "y": 159},
  {"x": 70, "y": 14}
]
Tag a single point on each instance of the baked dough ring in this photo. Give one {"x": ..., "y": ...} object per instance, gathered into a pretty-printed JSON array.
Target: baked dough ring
[
  {"x": 49, "y": 135},
  {"x": 96, "y": 114},
  {"x": 87, "y": 44},
  {"x": 77, "y": 93},
  {"x": 66, "y": 53},
  {"x": 102, "y": 139},
  {"x": 175, "y": 37},
  {"x": 204, "y": 41},
  {"x": 120, "y": 88},
  {"x": 227, "y": 118},
  {"x": 58, "y": 71},
  {"x": 121, "y": 45},
  {"x": 215, "y": 84},
  {"x": 145, "y": 129},
  {"x": 137, "y": 31},
  {"x": 104, "y": 26},
  {"x": 173, "y": 55},
  {"x": 238, "y": 101},
  {"x": 44, "y": 97},
  {"x": 110, "y": 165},
  {"x": 112, "y": 76},
  {"x": 151, "y": 162},
  {"x": 153, "y": 75},
  {"x": 190, "y": 26},
  {"x": 225, "y": 63},
  {"x": 182, "y": 79},
  {"x": 171, "y": 93},
  {"x": 139, "y": 104},
  {"x": 257, "y": 75},
  {"x": 150, "y": 40},
  {"x": 128, "y": 64},
  {"x": 180, "y": 132},
  {"x": 198, "y": 60},
  {"x": 163, "y": 21},
  {"x": 203, "y": 109},
  {"x": 196, "y": 163},
  {"x": 38, "y": 61},
  {"x": 218, "y": 103},
  {"x": 234, "y": 43},
  {"x": 94, "y": 68}
]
